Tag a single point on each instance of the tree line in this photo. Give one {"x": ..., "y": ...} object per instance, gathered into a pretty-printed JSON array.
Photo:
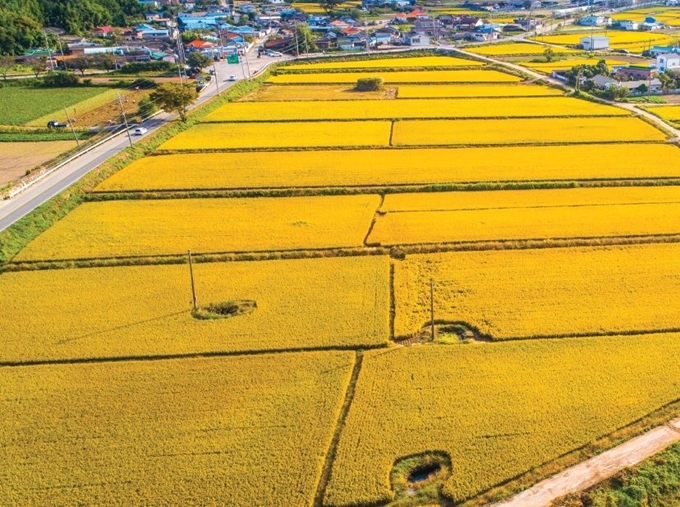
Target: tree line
[{"x": 22, "y": 21}]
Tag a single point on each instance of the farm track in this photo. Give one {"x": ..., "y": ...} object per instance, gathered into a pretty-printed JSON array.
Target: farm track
[{"x": 598, "y": 468}]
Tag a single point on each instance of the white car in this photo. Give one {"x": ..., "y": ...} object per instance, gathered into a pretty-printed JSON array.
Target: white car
[
  {"x": 140, "y": 131},
  {"x": 231, "y": 78},
  {"x": 275, "y": 54}
]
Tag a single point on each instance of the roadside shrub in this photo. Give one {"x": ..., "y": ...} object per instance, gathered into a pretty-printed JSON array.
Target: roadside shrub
[
  {"x": 369, "y": 84},
  {"x": 60, "y": 79},
  {"x": 137, "y": 67}
]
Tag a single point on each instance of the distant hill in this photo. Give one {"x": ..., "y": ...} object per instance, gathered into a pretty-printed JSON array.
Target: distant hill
[{"x": 21, "y": 21}]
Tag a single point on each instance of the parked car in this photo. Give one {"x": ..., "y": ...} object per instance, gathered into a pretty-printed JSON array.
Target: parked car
[
  {"x": 231, "y": 78},
  {"x": 54, "y": 124},
  {"x": 270, "y": 52},
  {"x": 140, "y": 131}
]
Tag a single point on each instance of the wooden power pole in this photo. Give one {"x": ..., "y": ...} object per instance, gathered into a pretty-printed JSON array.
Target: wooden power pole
[
  {"x": 193, "y": 285},
  {"x": 432, "y": 308}
]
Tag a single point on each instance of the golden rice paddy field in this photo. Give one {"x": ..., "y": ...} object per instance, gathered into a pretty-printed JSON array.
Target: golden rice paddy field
[
  {"x": 140, "y": 311},
  {"x": 544, "y": 292},
  {"x": 337, "y": 168},
  {"x": 389, "y": 63},
  {"x": 669, "y": 113},
  {"x": 426, "y": 108},
  {"x": 662, "y": 14},
  {"x": 455, "y": 91},
  {"x": 206, "y": 136},
  {"x": 497, "y": 410},
  {"x": 109, "y": 396},
  {"x": 392, "y": 77},
  {"x": 527, "y": 214},
  {"x": 173, "y": 226},
  {"x": 548, "y": 67},
  {"x": 526, "y": 131},
  {"x": 251, "y": 429},
  {"x": 517, "y": 48},
  {"x": 315, "y": 8},
  {"x": 270, "y": 92},
  {"x": 632, "y": 41}
]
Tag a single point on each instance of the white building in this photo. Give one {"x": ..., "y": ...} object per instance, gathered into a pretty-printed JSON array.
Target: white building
[
  {"x": 629, "y": 25},
  {"x": 416, "y": 39},
  {"x": 595, "y": 42},
  {"x": 592, "y": 20},
  {"x": 668, "y": 61}
]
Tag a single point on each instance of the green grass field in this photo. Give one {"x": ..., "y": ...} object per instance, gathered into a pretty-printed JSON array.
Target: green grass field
[{"x": 19, "y": 105}]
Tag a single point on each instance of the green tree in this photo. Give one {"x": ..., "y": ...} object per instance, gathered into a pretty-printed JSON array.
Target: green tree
[
  {"x": 39, "y": 65},
  {"x": 330, "y": 5},
  {"x": 81, "y": 63},
  {"x": 199, "y": 60},
  {"x": 18, "y": 32},
  {"x": 305, "y": 39},
  {"x": 617, "y": 92},
  {"x": 549, "y": 54},
  {"x": 106, "y": 61},
  {"x": 146, "y": 107},
  {"x": 6, "y": 63},
  {"x": 174, "y": 98}
]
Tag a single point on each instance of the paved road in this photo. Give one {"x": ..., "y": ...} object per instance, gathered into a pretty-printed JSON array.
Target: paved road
[
  {"x": 19, "y": 206},
  {"x": 595, "y": 470}
]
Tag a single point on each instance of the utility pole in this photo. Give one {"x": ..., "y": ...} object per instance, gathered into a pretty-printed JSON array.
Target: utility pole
[
  {"x": 217, "y": 84},
  {"x": 245, "y": 57},
  {"x": 297, "y": 45},
  {"x": 432, "y": 309},
  {"x": 180, "y": 59},
  {"x": 243, "y": 69},
  {"x": 122, "y": 110},
  {"x": 61, "y": 50},
  {"x": 219, "y": 33},
  {"x": 70, "y": 124},
  {"x": 49, "y": 49},
  {"x": 193, "y": 286}
]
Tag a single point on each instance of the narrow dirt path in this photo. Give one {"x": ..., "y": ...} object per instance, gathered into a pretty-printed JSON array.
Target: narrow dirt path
[{"x": 598, "y": 468}]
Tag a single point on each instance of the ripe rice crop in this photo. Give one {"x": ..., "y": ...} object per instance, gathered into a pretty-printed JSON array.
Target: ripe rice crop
[
  {"x": 426, "y": 108},
  {"x": 395, "y": 167},
  {"x": 498, "y": 410},
  {"x": 669, "y": 113},
  {"x": 389, "y": 63},
  {"x": 253, "y": 430},
  {"x": 315, "y": 8},
  {"x": 269, "y": 93},
  {"x": 543, "y": 292},
  {"x": 275, "y": 135},
  {"x": 528, "y": 214},
  {"x": 431, "y": 76},
  {"x": 472, "y": 90},
  {"x": 548, "y": 67},
  {"x": 526, "y": 131},
  {"x": 168, "y": 226},
  {"x": 146, "y": 310},
  {"x": 517, "y": 49},
  {"x": 633, "y": 41}
]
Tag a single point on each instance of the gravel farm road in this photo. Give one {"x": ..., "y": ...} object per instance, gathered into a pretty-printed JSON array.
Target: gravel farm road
[{"x": 598, "y": 468}]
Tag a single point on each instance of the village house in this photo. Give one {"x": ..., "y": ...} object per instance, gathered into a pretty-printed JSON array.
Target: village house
[
  {"x": 634, "y": 72},
  {"x": 416, "y": 39},
  {"x": 667, "y": 61}
]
